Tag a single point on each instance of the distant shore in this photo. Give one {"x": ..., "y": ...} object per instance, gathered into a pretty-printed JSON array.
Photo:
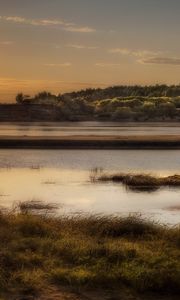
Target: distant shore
[{"x": 90, "y": 142}]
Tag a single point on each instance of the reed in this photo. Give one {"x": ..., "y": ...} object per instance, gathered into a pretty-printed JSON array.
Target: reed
[
  {"x": 94, "y": 251},
  {"x": 138, "y": 181}
]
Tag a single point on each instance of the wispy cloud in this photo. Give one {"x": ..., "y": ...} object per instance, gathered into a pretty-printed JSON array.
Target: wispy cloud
[
  {"x": 62, "y": 65},
  {"x": 146, "y": 53},
  {"x": 161, "y": 61},
  {"x": 6, "y": 43},
  {"x": 34, "y": 22},
  {"x": 79, "y": 47},
  {"x": 80, "y": 29},
  {"x": 64, "y": 25},
  {"x": 136, "y": 53},
  {"x": 13, "y": 19},
  {"x": 147, "y": 56},
  {"x": 122, "y": 51},
  {"x": 104, "y": 64},
  {"x": 47, "y": 22}
]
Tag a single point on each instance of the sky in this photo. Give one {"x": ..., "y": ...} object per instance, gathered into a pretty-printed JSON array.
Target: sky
[{"x": 65, "y": 45}]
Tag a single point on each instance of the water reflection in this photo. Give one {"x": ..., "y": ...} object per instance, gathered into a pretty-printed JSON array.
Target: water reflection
[
  {"x": 62, "y": 177},
  {"x": 88, "y": 128},
  {"x": 143, "y": 189},
  {"x": 74, "y": 190}
]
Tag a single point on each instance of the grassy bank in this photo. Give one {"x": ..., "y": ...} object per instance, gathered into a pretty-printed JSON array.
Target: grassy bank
[
  {"x": 138, "y": 181},
  {"x": 40, "y": 250}
]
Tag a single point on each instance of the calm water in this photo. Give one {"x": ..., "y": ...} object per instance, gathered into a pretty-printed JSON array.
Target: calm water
[
  {"x": 62, "y": 176},
  {"x": 88, "y": 128}
]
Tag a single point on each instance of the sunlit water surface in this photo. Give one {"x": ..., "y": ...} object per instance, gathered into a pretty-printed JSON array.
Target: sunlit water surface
[
  {"x": 63, "y": 177},
  {"x": 88, "y": 128}
]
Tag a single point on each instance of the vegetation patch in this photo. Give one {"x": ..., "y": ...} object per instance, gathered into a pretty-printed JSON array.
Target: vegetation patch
[
  {"x": 40, "y": 250},
  {"x": 117, "y": 103},
  {"x": 138, "y": 181}
]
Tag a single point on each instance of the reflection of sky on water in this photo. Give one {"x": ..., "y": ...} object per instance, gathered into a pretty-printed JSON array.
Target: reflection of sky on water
[
  {"x": 87, "y": 128},
  {"x": 161, "y": 162},
  {"x": 63, "y": 177}
]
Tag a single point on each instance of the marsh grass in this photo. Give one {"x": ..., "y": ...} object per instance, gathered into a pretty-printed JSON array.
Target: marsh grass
[
  {"x": 35, "y": 206},
  {"x": 35, "y": 167},
  {"x": 49, "y": 182},
  {"x": 38, "y": 250},
  {"x": 141, "y": 182}
]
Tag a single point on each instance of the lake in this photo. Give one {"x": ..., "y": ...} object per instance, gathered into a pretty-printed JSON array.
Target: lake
[{"x": 63, "y": 177}]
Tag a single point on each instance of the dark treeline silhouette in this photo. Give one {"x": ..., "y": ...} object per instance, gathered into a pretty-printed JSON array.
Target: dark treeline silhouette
[
  {"x": 118, "y": 103},
  {"x": 109, "y": 92},
  {"x": 127, "y": 91}
]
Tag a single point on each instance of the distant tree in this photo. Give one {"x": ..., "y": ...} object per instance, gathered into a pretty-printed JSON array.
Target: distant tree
[
  {"x": 20, "y": 98},
  {"x": 45, "y": 98},
  {"x": 43, "y": 95}
]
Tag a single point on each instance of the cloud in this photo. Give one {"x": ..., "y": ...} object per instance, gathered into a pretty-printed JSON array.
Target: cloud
[
  {"x": 67, "y": 64},
  {"x": 122, "y": 51},
  {"x": 161, "y": 61},
  {"x": 136, "y": 53},
  {"x": 14, "y": 19},
  {"x": 54, "y": 22},
  {"x": 40, "y": 22},
  {"x": 145, "y": 53},
  {"x": 64, "y": 25},
  {"x": 79, "y": 47},
  {"x": 104, "y": 65},
  {"x": 6, "y": 43},
  {"x": 80, "y": 29},
  {"x": 147, "y": 56}
]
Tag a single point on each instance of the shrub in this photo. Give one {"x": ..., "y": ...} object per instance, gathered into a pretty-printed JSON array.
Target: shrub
[{"x": 122, "y": 113}]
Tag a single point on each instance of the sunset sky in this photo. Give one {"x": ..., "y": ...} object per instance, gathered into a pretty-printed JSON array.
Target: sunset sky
[{"x": 64, "y": 45}]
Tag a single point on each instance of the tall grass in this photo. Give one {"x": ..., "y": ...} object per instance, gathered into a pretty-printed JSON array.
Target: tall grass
[
  {"x": 38, "y": 250},
  {"x": 137, "y": 181}
]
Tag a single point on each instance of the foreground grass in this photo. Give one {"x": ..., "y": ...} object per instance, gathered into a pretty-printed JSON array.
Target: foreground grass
[{"x": 93, "y": 251}]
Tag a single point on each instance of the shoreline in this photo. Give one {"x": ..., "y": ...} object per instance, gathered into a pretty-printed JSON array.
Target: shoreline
[{"x": 91, "y": 142}]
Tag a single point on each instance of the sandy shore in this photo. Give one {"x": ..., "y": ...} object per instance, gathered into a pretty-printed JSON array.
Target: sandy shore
[{"x": 91, "y": 142}]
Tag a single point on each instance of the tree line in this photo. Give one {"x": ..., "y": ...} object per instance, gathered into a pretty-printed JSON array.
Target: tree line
[{"x": 133, "y": 103}]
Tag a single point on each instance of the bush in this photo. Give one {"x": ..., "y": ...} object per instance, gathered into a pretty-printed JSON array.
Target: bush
[
  {"x": 122, "y": 113},
  {"x": 149, "y": 110}
]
